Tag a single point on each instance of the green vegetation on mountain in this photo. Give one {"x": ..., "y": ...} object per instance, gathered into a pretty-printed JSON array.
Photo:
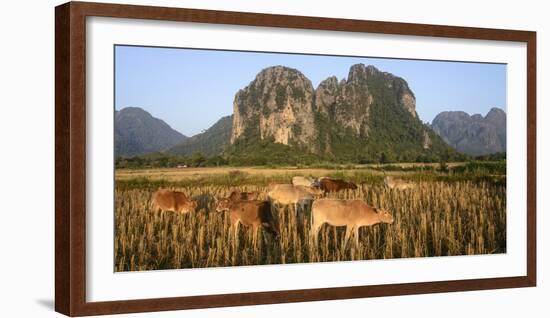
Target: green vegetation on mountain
[
  {"x": 212, "y": 141},
  {"x": 265, "y": 152}
]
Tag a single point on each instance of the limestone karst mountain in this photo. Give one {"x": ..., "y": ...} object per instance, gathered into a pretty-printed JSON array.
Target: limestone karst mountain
[
  {"x": 278, "y": 104},
  {"x": 361, "y": 118}
]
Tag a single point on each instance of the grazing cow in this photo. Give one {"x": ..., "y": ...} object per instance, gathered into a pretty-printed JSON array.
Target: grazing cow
[
  {"x": 168, "y": 200},
  {"x": 304, "y": 181},
  {"x": 253, "y": 214},
  {"x": 349, "y": 213},
  {"x": 397, "y": 183},
  {"x": 335, "y": 185},
  {"x": 237, "y": 195},
  {"x": 286, "y": 194}
]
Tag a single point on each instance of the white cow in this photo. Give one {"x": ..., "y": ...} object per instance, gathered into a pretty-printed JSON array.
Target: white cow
[
  {"x": 303, "y": 181},
  {"x": 288, "y": 194}
]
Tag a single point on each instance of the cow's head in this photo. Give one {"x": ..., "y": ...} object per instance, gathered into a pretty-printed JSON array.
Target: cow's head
[
  {"x": 189, "y": 206},
  {"x": 316, "y": 183},
  {"x": 352, "y": 185},
  {"x": 235, "y": 195},
  {"x": 223, "y": 204},
  {"x": 314, "y": 191},
  {"x": 384, "y": 216}
]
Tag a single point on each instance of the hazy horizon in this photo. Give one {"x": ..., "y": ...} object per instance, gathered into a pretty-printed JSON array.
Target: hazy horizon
[
  {"x": 484, "y": 114},
  {"x": 156, "y": 80}
]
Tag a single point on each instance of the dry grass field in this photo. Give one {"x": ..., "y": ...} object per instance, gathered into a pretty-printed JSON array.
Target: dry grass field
[
  {"x": 439, "y": 217},
  {"x": 174, "y": 174}
]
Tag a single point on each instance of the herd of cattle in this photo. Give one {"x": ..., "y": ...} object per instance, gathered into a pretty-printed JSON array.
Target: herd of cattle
[{"x": 247, "y": 209}]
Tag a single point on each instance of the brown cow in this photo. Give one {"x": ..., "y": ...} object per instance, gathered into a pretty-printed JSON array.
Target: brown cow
[
  {"x": 253, "y": 214},
  {"x": 238, "y": 195},
  {"x": 335, "y": 185},
  {"x": 168, "y": 200},
  {"x": 349, "y": 213}
]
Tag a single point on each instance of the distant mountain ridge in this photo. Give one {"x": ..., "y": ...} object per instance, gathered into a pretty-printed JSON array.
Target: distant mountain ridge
[
  {"x": 473, "y": 135},
  {"x": 137, "y": 132},
  {"x": 212, "y": 141}
]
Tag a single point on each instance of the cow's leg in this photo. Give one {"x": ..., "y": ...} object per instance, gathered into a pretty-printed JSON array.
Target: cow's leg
[
  {"x": 234, "y": 232},
  {"x": 289, "y": 212},
  {"x": 356, "y": 234},
  {"x": 290, "y": 219},
  {"x": 305, "y": 216},
  {"x": 348, "y": 233},
  {"x": 254, "y": 235},
  {"x": 315, "y": 227},
  {"x": 234, "y": 236},
  {"x": 157, "y": 208},
  {"x": 298, "y": 209},
  {"x": 314, "y": 232},
  {"x": 298, "y": 217}
]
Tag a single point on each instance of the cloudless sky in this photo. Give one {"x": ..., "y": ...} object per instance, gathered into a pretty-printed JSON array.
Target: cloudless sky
[{"x": 191, "y": 89}]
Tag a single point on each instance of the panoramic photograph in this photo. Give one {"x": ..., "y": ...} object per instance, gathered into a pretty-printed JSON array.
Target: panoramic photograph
[{"x": 235, "y": 158}]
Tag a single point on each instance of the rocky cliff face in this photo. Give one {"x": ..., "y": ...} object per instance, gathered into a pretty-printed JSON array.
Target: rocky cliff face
[
  {"x": 473, "y": 135},
  {"x": 348, "y": 103},
  {"x": 367, "y": 116},
  {"x": 278, "y": 105}
]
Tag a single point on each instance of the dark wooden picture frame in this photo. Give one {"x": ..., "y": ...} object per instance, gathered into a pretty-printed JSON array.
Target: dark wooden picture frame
[{"x": 70, "y": 152}]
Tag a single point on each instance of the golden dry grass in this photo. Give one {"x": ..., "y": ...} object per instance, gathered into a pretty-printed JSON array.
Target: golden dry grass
[
  {"x": 193, "y": 173},
  {"x": 434, "y": 219}
]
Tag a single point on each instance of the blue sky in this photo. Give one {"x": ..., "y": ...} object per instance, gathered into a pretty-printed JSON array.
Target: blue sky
[{"x": 191, "y": 89}]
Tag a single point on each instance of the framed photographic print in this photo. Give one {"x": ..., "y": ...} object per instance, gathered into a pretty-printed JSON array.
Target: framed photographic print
[{"x": 210, "y": 158}]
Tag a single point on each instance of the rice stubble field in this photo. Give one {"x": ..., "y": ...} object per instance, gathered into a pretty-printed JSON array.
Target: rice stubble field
[{"x": 438, "y": 217}]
